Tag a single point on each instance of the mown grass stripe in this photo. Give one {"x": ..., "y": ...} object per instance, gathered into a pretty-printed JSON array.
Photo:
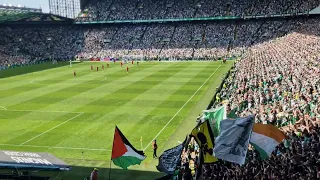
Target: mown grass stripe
[
  {"x": 181, "y": 108},
  {"x": 42, "y": 91},
  {"x": 21, "y": 80},
  {"x": 100, "y": 122},
  {"x": 141, "y": 106},
  {"x": 83, "y": 94},
  {"x": 75, "y": 89}
]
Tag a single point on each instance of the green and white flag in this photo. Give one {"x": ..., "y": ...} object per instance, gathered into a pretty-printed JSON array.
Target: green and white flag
[{"x": 215, "y": 116}]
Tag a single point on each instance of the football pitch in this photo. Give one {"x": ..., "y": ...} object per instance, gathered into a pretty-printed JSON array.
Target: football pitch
[{"x": 74, "y": 117}]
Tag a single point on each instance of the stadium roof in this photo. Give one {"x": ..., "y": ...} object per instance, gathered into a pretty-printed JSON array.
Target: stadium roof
[
  {"x": 6, "y": 16},
  {"x": 9, "y": 7}
]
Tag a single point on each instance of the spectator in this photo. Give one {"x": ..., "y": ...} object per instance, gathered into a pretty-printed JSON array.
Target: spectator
[
  {"x": 155, "y": 148},
  {"x": 152, "y": 9},
  {"x": 94, "y": 174}
]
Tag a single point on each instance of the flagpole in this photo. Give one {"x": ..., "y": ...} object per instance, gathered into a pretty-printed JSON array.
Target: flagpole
[
  {"x": 110, "y": 170},
  {"x": 112, "y": 152}
]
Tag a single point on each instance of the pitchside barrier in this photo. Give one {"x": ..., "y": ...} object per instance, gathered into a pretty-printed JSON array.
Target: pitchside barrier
[
  {"x": 16, "y": 165},
  {"x": 157, "y": 58},
  {"x": 31, "y": 160},
  {"x": 218, "y": 89}
]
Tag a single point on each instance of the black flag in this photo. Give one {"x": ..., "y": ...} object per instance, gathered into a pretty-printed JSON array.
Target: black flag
[{"x": 170, "y": 158}]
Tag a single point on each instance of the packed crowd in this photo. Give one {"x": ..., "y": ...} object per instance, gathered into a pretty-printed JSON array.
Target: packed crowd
[
  {"x": 187, "y": 167},
  {"x": 279, "y": 82},
  {"x": 25, "y": 45},
  {"x": 297, "y": 158},
  {"x": 277, "y": 78},
  {"x": 209, "y": 41},
  {"x": 153, "y": 9},
  {"x": 7, "y": 61}
]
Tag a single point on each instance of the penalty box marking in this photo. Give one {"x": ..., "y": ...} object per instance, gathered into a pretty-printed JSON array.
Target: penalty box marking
[
  {"x": 78, "y": 114},
  {"x": 52, "y": 128},
  {"x": 2, "y": 108},
  {"x": 23, "y": 144}
]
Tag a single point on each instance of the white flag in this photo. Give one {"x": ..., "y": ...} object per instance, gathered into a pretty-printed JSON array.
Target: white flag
[{"x": 232, "y": 143}]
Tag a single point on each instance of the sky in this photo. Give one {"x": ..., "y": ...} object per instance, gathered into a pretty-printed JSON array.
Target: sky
[{"x": 44, "y": 4}]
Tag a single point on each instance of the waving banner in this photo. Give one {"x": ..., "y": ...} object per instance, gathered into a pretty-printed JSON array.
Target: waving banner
[{"x": 169, "y": 159}]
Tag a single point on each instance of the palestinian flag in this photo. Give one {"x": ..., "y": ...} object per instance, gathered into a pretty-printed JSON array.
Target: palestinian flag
[{"x": 123, "y": 153}]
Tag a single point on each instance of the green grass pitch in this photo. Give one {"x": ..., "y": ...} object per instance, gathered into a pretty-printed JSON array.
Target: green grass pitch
[{"x": 52, "y": 111}]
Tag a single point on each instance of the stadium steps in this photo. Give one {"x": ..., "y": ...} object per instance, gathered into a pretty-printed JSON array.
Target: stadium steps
[
  {"x": 114, "y": 35},
  {"x": 256, "y": 34},
  {"x": 138, "y": 9},
  {"x": 196, "y": 43},
  {"x": 167, "y": 9},
  {"x": 24, "y": 51},
  {"x": 174, "y": 31},
  {"x": 168, "y": 43},
  {"x": 235, "y": 36},
  {"x": 89, "y": 32},
  {"x": 205, "y": 35},
  {"x": 109, "y": 9},
  {"x": 192, "y": 38},
  {"x": 142, "y": 35},
  {"x": 293, "y": 4},
  {"x": 199, "y": 44},
  {"x": 196, "y": 8},
  {"x": 235, "y": 32},
  {"x": 228, "y": 8},
  {"x": 144, "y": 32},
  {"x": 288, "y": 6},
  {"x": 162, "y": 47},
  {"x": 133, "y": 42},
  {"x": 267, "y": 7}
]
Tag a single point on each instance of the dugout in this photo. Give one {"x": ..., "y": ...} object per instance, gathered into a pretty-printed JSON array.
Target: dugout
[{"x": 29, "y": 165}]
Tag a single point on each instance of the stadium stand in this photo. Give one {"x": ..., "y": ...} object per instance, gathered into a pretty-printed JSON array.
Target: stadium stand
[
  {"x": 297, "y": 158},
  {"x": 185, "y": 40},
  {"x": 279, "y": 82},
  {"x": 153, "y": 9}
]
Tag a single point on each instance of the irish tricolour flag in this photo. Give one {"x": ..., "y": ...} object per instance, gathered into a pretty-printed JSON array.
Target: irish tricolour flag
[
  {"x": 265, "y": 138},
  {"x": 123, "y": 153}
]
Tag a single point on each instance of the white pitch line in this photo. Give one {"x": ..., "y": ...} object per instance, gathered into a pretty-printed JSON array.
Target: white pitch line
[
  {"x": 51, "y": 129},
  {"x": 56, "y": 147},
  {"x": 181, "y": 108},
  {"x": 3, "y": 108},
  {"x": 105, "y": 78},
  {"x": 41, "y": 111}
]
